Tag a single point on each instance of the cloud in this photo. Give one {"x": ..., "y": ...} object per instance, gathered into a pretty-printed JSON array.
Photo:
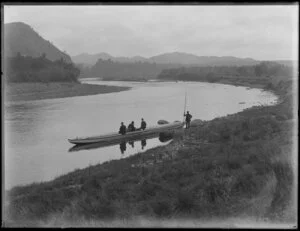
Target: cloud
[{"x": 261, "y": 32}]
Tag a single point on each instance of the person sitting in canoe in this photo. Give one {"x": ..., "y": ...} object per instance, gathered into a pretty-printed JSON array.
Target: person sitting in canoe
[
  {"x": 188, "y": 118},
  {"x": 122, "y": 129},
  {"x": 131, "y": 127},
  {"x": 143, "y": 124}
]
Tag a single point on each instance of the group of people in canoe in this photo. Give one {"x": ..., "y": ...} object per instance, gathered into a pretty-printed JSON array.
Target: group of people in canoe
[{"x": 131, "y": 127}]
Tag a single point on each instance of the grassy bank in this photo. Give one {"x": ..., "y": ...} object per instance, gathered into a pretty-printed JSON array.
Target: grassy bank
[
  {"x": 36, "y": 91},
  {"x": 238, "y": 166}
]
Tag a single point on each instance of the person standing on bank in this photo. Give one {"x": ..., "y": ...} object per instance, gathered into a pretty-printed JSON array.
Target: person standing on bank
[
  {"x": 143, "y": 124},
  {"x": 122, "y": 129},
  {"x": 188, "y": 118}
]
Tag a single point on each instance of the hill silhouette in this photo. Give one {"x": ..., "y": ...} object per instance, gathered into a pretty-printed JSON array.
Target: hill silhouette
[
  {"x": 21, "y": 38},
  {"x": 167, "y": 58}
]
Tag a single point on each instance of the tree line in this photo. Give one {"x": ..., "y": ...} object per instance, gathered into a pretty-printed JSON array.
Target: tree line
[
  {"x": 213, "y": 73},
  {"x": 40, "y": 69},
  {"x": 109, "y": 69}
]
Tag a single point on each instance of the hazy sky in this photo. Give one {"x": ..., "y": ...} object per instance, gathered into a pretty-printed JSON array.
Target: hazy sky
[{"x": 260, "y": 32}]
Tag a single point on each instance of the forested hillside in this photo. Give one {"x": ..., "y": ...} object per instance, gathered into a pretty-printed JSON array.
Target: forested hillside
[
  {"x": 109, "y": 69},
  {"x": 29, "y": 69},
  {"x": 89, "y": 60}
]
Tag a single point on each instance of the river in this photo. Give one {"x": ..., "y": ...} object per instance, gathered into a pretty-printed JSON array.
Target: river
[{"x": 36, "y": 133}]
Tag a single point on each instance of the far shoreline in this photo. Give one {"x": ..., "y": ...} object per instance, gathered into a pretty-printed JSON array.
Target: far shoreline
[
  {"x": 26, "y": 91},
  {"x": 39, "y": 91},
  {"x": 225, "y": 81}
]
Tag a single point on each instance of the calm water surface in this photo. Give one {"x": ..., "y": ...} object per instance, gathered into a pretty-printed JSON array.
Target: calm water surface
[{"x": 36, "y": 132}]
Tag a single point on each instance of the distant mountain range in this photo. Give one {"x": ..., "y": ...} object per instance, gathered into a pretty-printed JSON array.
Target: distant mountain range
[
  {"x": 168, "y": 58},
  {"x": 20, "y": 37},
  {"x": 91, "y": 59},
  {"x": 190, "y": 59}
]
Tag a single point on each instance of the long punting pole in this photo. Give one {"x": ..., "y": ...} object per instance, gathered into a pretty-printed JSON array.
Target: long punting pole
[{"x": 184, "y": 106}]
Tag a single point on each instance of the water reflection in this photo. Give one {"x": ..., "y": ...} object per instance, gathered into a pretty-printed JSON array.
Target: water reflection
[
  {"x": 123, "y": 146},
  {"x": 143, "y": 143},
  {"x": 164, "y": 137},
  {"x": 131, "y": 143}
]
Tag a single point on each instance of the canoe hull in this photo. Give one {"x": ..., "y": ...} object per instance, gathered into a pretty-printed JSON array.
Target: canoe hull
[
  {"x": 79, "y": 147},
  {"x": 114, "y": 137}
]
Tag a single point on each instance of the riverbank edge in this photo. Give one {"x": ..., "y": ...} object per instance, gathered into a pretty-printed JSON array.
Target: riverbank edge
[
  {"x": 243, "y": 83},
  {"x": 15, "y": 92},
  {"x": 281, "y": 96},
  {"x": 230, "y": 82}
]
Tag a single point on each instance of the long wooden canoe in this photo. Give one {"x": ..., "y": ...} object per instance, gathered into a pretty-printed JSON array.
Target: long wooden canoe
[
  {"x": 79, "y": 147},
  {"x": 128, "y": 136}
]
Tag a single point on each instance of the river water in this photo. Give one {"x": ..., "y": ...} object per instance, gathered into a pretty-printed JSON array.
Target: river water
[{"x": 36, "y": 133}]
